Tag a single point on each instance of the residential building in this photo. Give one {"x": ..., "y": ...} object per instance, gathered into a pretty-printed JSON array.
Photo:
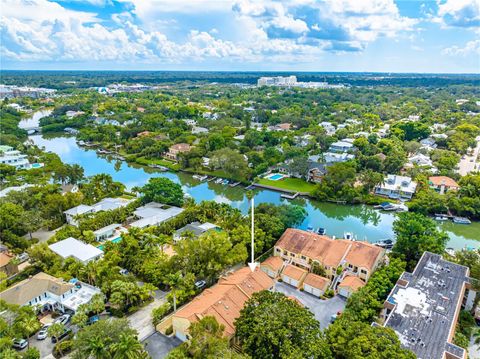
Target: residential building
[
  {"x": 72, "y": 114},
  {"x": 272, "y": 266},
  {"x": 106, "y": 232},
  {"x": 69, "y": 188},
  {"x": 7, "y": 264},
  {"x": 328, "y": 127},
  {"x": 315, "y": 284},
  {"x": 341, "y": 147},
  {"x": 294, "y": 275},
  {"x": 153, "y": 213},
  {"x": 175, "y": 150},
  {"x": 106, "y": 204},
  {"x": 316, "y": 168},
  {"x": 443, "y": 184},
  {"x": 10, "y": 156},
  {"x": 49, "y": 293},
  {"x": 428, "y": 143},
  {"x": 424, "y": 306},
  {"x": 197, "y": 130},
  {"x": 333, "y": 157},
  {"x": 282, "y": 127},
  {"x": 303, "y": 249},
  {"x": 194, "y": 228},
  {"x": 4, "y": 192},
  {"x": 73, "y": 248},
  {"x": 396, "y": 186},
  {"x": 223, "y": 301},
  {"x": 349, "y": 285}
]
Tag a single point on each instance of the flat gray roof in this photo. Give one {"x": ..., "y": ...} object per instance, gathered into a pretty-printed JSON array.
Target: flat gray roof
[{"x": 425, "y": 309}]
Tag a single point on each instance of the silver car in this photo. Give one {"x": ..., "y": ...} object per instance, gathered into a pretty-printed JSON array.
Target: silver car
[{"x": 43, "y": 333}]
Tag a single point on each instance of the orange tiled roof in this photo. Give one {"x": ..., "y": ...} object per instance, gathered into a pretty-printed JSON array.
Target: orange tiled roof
[
  {"x": 294, "y": 272},
  {"x": 284, "y": 126},
  {"x": 330, "y": 252},
  {"x": 362, "y": 254},
  {"x": 316, "y": 281},
  {"x": 352, "y": 282},
  {"x": 225, "y": 299},
  {"x": 5, "y": 259},
  {"x": 180, "y": 147},
  {"x": 274, "y": 263},
  {"x": 443, "y": 180}
]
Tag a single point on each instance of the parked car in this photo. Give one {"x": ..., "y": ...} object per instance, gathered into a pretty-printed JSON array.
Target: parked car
[
  {"x": 63, "y": 319},
  {"x": 200, "y": 284},
  {"x": 123, "y": 271},
  {"x": 61, "y": 336},
  {"x": 20, "y": 344},
  {"x": 43, "y": 333},
  {"x": 93, "y": 319},
  {"x": 23, "y": 257}
]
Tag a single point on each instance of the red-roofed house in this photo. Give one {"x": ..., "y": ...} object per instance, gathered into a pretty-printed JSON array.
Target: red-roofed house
[
  {"x": 294, "y": 275},
  {"x": 223, "y": 301},
  {"x": 349, "y": 285},
  {"x": 442, "y": 184},
  {"x": 315, "y": 284},
  {"x": 176, "y": 149},
  {"x": 272, "y": 266}
]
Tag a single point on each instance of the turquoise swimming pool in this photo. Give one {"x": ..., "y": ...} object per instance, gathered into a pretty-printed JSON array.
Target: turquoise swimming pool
[
  {"x": 37, "y": 165},
  {"x": 115, "y": 240},
  {"x": 275, "y": 177}
]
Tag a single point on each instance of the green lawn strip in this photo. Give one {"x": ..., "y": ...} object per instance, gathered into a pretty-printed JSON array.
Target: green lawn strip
[
  {"x": 292, "y": 184},
  {"x": 158, "y": 161}
]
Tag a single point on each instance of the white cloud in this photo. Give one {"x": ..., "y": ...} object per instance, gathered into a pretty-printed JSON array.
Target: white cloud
[
  {"x": 470, "y": 48},
  {"x": 459, "y": 13}
]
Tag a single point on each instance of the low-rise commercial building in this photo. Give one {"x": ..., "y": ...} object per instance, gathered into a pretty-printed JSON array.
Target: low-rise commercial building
[{"x": 424, "y": 306}]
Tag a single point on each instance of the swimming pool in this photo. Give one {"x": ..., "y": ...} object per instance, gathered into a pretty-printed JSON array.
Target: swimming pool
[
  {"x": 36, "y": 165},
  {"x": 275, "y": 177},
  {"x": 115, "y": 240}
]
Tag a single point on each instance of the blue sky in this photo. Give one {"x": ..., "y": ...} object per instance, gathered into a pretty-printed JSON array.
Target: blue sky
[{"x": 257, "y": 35}]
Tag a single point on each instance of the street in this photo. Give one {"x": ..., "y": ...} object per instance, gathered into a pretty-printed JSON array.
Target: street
[
  {"x": 468, "y": 163},
  {"x": 141, "y": 320}
]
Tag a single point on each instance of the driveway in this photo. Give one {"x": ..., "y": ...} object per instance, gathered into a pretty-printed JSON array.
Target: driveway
[
  {"x": 468, "y": 164},
  {"x": 322, "y": 309},
  {"x": 141, "y": 320},
  {"x": 44, "y": 346},
  {"x": 158, "y": 345}
]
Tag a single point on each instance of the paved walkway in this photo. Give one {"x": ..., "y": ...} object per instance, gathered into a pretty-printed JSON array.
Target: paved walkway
[
  {"x": 473, "y": 349},
  {"x": 141, "y": 320}
]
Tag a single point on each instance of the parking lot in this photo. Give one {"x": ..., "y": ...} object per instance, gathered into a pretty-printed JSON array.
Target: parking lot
[
  {"x": 322, "y": 309},
  {"x": 158, "y": 345}
]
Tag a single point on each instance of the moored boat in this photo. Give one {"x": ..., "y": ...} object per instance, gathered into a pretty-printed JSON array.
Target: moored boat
[{"x": 461, "y": 220}]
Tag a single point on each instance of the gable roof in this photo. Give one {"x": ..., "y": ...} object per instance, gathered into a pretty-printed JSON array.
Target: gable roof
[
  {"x": 24, "y": 291},
  {"x": 328, "y": 251},
  {"x": 225, "y": 299},
  {"x": 274, "y": 263},
  {"x": 351, "y": 282},
  {"x": 294, "y": 272},
  {"x": 316, "y": 281}
]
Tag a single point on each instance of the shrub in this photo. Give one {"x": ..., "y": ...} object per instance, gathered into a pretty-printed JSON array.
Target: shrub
[
  {"x": 329, "y": 293},
  {"x": 62, "y": 347},
  {"x": 169, "y": 330},
  {"x": 159, "y": 313}
]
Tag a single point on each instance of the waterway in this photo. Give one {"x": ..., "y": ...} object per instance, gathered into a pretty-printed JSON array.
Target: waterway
[{"x": 363, "y": 221}]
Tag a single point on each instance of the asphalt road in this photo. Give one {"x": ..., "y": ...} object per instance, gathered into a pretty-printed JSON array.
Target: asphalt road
[{"x": 468, "y": 164}]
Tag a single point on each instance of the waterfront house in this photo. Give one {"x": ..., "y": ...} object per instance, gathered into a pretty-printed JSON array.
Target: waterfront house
[
  {"x": 395, "y": 186},
  {"x": 349, "y": 285},
  {"x": 73, "y": 248},
  {"x": 315, "y": 284},
  {"x": 49, "y": 293},
  {"x": 153, "y": 213},
  {"x": 195, "y": 228},
  {"x": 316, "y": 168},
  {"x": 272, "y": 266},
  {"x": 304, "y": 249},
  {"x": 175, "y": 150},
  {"x": 424, "y": 306},
  {"x": 8, "y": 264},
  {"x": 106, "y": 204},
  {"x": 4, "y": 192},
  {"x": 443, "y": 184},
  {"x": 223, "y": 301},
  {"x": 10, "y": 156}
]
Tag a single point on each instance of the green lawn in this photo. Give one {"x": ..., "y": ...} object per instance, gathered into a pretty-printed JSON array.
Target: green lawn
[
  {"x": 158, "y": 161},
  {"x": 292, "y": 184}
]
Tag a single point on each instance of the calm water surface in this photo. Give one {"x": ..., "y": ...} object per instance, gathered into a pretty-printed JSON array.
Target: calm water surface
[{"x": 363, "y": 221}]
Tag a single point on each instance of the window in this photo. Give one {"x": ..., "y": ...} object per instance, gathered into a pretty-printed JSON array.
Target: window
[
  {"x": 304, "y": 258},
  {"x": 285, "y": 252},
  {"x": 363, "y": 271},
  {"x": 292, "y": 254},
  {"x": 278, "y": 250}
]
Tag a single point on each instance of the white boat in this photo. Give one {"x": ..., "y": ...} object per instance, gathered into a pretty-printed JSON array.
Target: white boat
[
  {"x": 461, "y": 220},
  {"x": 441, "y": 218},
  {"x": 218, "y": 180},
  {"x": 348, "y": 236}
]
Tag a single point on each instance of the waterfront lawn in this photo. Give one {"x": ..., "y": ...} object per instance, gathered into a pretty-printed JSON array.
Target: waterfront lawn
[
  {"x": 291, "y": 184},
  {"x": 158, "y": 161}
]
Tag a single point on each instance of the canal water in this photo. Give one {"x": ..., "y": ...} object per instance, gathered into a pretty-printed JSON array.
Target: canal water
[{"x": 363, "y": 221}]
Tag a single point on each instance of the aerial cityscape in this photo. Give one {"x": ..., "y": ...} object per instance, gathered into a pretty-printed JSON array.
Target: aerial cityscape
[{"x": 240, "y": 179}]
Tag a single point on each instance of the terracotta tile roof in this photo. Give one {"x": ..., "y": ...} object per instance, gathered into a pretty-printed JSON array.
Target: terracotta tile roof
[
  {"x": 225, "y": 299},
  {"x": 362, "y": 254},
  {"x": 274, "y": 263},
  {"x": 27, "y": 289},
  {"x": 330, "y": 252},
  {"x": 442, "y": 180},
  {"x": 316, "y": 281},
  {"x": 5, "y": 259},
  {"x": 294, "y": 272},
  {"x": 322, "y": 248},
  {"x": 351, "y": 282},
  {"x": 180, "y": 147}
]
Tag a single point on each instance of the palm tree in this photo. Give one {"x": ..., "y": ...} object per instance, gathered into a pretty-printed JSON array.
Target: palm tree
[
  {"x": 29, "y": 324},
  {"x": 127, "y": 347},
  {"x": 55, "y": 330},
  {"x": 174, "y": 281}
]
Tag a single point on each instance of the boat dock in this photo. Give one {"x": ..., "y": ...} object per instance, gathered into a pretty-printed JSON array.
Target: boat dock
[
  {"x": 289, "y": 196},
  {"x": 234, "y": 184}
]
